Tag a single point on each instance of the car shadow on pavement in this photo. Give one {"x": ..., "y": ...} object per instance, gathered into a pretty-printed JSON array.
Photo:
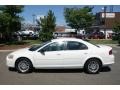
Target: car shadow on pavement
[
  {"x": 58, "y": 70},
  {"x": 104, "y": 69},
  {"x": 12, "y": 69}
]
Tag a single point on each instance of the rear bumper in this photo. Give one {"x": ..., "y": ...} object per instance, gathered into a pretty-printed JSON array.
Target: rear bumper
[{"x": 109, "y": 60}]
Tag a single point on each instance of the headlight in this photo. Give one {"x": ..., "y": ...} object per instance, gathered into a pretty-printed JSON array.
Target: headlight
[{"x": 10, "y": 56}]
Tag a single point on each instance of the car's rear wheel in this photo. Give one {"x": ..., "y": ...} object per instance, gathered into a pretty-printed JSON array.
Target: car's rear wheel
[
  {"x": 23, "y": 65},
  {"x": 92, "y": 66}
]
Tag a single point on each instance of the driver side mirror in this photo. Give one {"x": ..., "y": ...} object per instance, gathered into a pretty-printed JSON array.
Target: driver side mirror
[{"x": 42, "y": 52}]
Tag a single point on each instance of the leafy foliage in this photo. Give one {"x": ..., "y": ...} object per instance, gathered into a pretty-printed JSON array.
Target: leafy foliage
[
  {"x": 79, "y": 18},
  {"x": 116, "y": 30},
  {"x": 10, "y": 21},
  {"x": 48, "y": 26},
  {"x": 116, "y": 27}
]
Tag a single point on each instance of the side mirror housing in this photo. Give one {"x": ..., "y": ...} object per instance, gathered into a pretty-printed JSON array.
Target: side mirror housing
[{"x": 42, "y": 52}]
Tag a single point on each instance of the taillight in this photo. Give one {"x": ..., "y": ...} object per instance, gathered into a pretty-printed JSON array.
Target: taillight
[{"x": 110, "y": 52}]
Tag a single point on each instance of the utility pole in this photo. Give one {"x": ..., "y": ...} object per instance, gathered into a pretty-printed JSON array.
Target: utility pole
[
  {"x": 33, "y": 22},
  {"x": 104, "y": 14},
  {"x": 33, "y": 19}
]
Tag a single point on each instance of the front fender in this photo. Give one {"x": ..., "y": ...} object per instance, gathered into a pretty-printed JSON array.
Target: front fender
[{"x": 28, "y": 56}]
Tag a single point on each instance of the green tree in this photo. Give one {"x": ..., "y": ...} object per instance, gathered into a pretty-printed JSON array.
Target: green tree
[
  {"x": 116, "y": 27},
  {"x": 10, "y": 20},
  {"x": 48, "y": 26},
  {"x": 79, "y": 18},
  {"x": 116, "y": 30}
]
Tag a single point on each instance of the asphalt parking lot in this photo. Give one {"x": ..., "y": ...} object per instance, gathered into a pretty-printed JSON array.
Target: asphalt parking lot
[{"x": 107, "y": 76}]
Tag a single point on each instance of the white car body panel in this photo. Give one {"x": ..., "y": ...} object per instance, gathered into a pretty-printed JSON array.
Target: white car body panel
[{"x": 64, "y": 58}]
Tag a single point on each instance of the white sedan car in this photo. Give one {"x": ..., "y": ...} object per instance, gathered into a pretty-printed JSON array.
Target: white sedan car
[{"x": 64, "y": 53}]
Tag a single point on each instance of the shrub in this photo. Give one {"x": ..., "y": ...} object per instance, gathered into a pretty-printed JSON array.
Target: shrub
[{"x": 119, "y": 39}]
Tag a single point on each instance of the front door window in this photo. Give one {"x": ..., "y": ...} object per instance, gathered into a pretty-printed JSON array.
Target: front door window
[{"x": 55, "y": 46}]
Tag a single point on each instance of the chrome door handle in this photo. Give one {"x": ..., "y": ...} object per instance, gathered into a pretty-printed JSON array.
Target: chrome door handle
[
  {"x": 85, "y": 53},
  {"x": 58, "y": 54}
]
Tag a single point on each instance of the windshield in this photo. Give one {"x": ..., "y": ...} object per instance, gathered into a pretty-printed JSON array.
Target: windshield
[{"x": 35, "y": 47}]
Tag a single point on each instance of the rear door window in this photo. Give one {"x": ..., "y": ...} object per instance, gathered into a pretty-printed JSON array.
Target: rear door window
[{"x": 73, "y": 45}]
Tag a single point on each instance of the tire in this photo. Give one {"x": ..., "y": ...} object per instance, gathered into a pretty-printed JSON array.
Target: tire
[
  {"x": 24, "y": 65},
  {"x": 92, "y": 66}
]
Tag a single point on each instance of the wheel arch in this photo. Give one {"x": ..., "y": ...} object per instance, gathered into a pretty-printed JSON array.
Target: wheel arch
[
  {"x": 97, "y": 58},
  {"x": 18, "y": 59}
]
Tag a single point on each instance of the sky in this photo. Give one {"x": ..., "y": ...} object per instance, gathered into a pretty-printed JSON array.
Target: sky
[{"x": 58, "y": 10}]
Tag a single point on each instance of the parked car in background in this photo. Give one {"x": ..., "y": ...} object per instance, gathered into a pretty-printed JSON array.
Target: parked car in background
[
  {"x": 96, "y": 35},
  {"x": 80, "y": 36},
  {"x": 27, "y": 34},
  {"x": 60, "y": 54},
  {"x": 64, "y": 34}
]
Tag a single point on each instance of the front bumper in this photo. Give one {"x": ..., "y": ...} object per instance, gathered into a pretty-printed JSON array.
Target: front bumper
[{"x": 10, "y": 62}]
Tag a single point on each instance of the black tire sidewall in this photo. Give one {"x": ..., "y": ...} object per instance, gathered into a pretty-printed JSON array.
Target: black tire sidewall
[
  {"x": 28, "y": 61},
  {"x": 86, "y": 66}
]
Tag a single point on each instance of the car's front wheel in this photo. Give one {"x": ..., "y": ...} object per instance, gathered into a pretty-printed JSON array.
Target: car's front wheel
[
  {"x": 23, "y": 65},
  {"x": 92, "y": 66}
]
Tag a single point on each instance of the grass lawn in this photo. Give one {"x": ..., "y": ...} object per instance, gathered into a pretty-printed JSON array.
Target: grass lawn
[
  {"x": 102, "y": 41},
  {"x": 30, "y": 42},
  {"x": 23, "y": 42},
  {"x": 26, "y": 43},
  {"x": 17, "y": 45},
  {"x": 94, "y": 41}
]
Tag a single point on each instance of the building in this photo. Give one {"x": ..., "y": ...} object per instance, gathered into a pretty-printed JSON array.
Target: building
[
  {"x": 64, "y": 31},
  {"x": 105, "y": 22}
]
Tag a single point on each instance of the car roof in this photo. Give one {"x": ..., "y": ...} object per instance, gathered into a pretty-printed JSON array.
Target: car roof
[{"x": 66, "y": 39}]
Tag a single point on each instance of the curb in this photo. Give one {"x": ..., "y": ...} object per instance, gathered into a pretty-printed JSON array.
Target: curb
[
  {"x": 8, "y": 50},
  {"x": 113, "y": 45}
]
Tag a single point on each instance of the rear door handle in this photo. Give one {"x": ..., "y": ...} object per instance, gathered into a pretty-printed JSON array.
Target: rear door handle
[
  {"x": 85, "y": 53},
  {"x": 58, "y": 54}
]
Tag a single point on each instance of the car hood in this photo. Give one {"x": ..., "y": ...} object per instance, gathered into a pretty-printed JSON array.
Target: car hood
[{"x": 21, "y": 51}]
